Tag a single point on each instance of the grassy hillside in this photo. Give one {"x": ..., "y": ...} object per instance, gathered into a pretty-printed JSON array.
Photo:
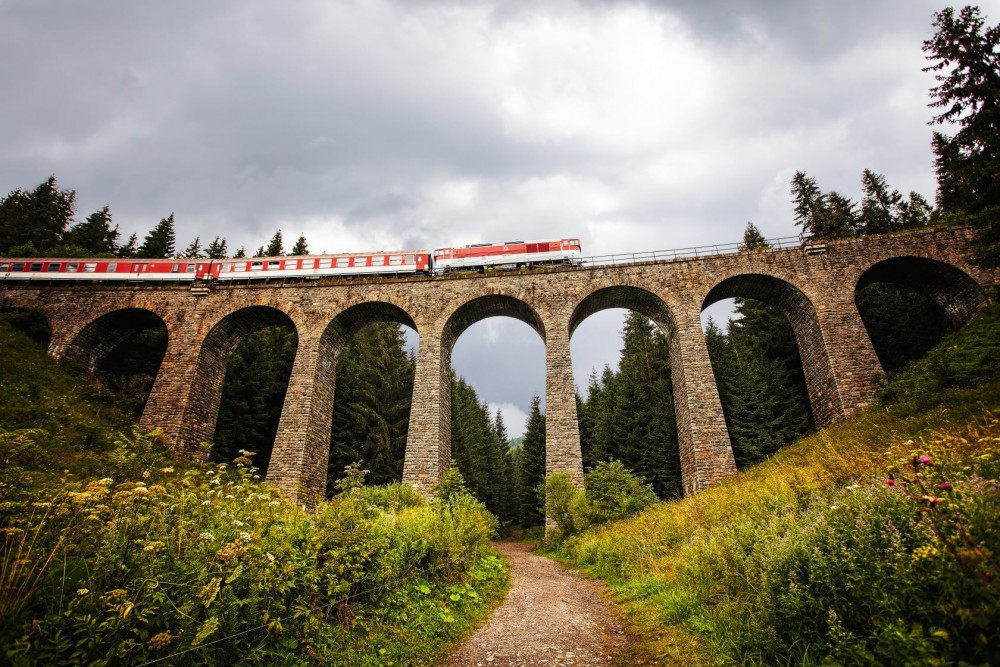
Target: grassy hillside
[
  {"x": 113, "y": 552},
  {"x": 872, "y": 542}
]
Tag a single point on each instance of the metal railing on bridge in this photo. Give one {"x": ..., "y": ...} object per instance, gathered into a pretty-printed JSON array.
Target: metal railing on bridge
[{"x": 624, "y": 259}]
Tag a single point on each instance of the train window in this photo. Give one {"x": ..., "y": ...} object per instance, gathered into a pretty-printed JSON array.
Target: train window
[
  {"x": 72, "y": 267},
  {"x": 191, "y": 267},
  {"x": 36, "y": 266},
  {"x": 176, "y": 268},
  {"x": 395, "y": 260},
  {"x": 291, "y": 263},
  {"x": 5, "y": 266},
  {"x": 343, "y": 262},
  {"x": 325, "y": 262},
  {"x": 239, "y": 266},
  {"x": 112, "y": 267},
  {"x": 89, "y": 267},
  {"x": 256, "y": 266},
  {"x": 274, "y": 265},
  {"x": 408, "y": 259},
  {"x": 18, "y": 266},
  {"x": 53, "y": 266}
]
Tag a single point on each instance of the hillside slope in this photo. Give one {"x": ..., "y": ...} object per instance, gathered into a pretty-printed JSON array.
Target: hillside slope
[
  {"x": 872, "y": 542},
  {"x": 114, "y": 552}
]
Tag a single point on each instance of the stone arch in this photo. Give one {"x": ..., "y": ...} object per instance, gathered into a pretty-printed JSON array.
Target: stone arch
[
  {"x": 354, "y": 318},
  {"x": 482, "y": 307},
  {"x": 957, "y": 293},
  {"x": 202, "y": 410},
  {"x": 99, "y": 337},
  {"x": 697, "y": 464},
  {"x": 624, "y": 296},
  {"x": 824, "y": 395},
  {"x": 428, "y": 444},
  {"x": 302, "y": 447}
]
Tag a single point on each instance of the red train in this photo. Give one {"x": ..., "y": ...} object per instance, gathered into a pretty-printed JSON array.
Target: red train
[{"x": 510, "y": 254}]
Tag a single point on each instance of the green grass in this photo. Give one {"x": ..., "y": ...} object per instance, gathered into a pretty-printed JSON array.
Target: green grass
[
  {"x": 813, "y": 556},
  {"x": 114, "y": 552}
]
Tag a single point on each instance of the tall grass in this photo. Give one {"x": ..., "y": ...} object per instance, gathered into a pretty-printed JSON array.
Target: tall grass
[
  {"x": 873, "y": 542},
  {"x": 112, "y": 552}
]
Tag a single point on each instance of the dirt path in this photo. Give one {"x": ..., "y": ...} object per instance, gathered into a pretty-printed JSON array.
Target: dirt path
[{"x": 550, "y": 617}]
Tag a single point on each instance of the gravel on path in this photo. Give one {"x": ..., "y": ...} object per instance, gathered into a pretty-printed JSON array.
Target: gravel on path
[{"x": 550, "y": 617}]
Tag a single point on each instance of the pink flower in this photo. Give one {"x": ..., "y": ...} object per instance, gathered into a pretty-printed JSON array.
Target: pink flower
[
  {"x": 925, "y": 459},
  {"x": 945, "y": 485},
  {"x": 890, "y": 481}
]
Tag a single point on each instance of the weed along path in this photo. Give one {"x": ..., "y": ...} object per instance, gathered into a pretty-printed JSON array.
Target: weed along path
[{"x": 550, "y": 617}]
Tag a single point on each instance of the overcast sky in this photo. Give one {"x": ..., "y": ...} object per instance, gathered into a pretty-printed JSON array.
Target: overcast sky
[{"x": 380, "y": 125}]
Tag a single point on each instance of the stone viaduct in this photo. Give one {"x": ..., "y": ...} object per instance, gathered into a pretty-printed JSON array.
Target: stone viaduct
[{"x": 814, "y": 286}]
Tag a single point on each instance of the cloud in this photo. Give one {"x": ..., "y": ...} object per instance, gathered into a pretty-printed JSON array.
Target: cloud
[
  {"x": 514, "y": 418},
  {"x": 380, "y": 124}
]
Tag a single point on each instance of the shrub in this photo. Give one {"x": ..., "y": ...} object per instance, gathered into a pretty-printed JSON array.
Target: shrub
[{"x": 615, "y": 493}]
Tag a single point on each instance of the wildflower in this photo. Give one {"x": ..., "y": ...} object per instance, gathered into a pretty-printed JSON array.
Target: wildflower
[
  {"x": 153, "y": 546},
  {"x": 270, "y": 557},
  {"x": 145, "y": 474},
  {"x": 105, "y": 481},
  {"x": 158, "y": 641},
  {"x": 945, "y": 485},
  {"x": 206, "y": 537},
  {"x": 216, "y": 481},
  {"x": 925, "y": 459},
  {"x": 890, "y": 481},
  {"x": 206, "y": 502},
  {"x": 168, "y": 469},
  {"x": 274, "y": 503},
  {"x": 237, "y": 522},
  {"x": 82, "y": 591},
  {"x": 245, "y": 536},
  {"x": 230, "y": 496}
]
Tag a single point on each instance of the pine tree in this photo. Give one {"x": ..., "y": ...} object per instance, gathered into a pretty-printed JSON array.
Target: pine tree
[
  {"x": 240, "y": 254},
  {"x": 36, "y": 220},
  {"x": 159, "y": 243},
  {"x": 95, "y": 235},
  {"x": 300, "y": 247},
  {"x": 966, "y": 63},
  {"x": 217, "y": 249}
]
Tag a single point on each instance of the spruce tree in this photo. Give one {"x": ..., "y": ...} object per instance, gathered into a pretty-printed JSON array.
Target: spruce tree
[
  {"x": 531, "y": 467},
  {"x": 879, "y": 208},
  {"x": 217, "y": 249},
  {"x": 193, "y": 251},
  {"x": 131, "y": 247},
  {"x": 35, "y": 220},
  {"x": 159, "y": 243},
  {"x": 95, "y": 236},
  {"x": 276, "y": 246},
  {"x": 300, "y": 247},
  {"x": 253, "y": 395},
  {"x": 753, "y": 239},
  {"x": 371, "y": 409},
  {"x": 966, "y": 63}
]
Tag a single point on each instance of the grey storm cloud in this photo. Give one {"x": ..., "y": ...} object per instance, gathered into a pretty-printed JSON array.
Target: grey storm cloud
[{"x": 380, "y": 124}]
